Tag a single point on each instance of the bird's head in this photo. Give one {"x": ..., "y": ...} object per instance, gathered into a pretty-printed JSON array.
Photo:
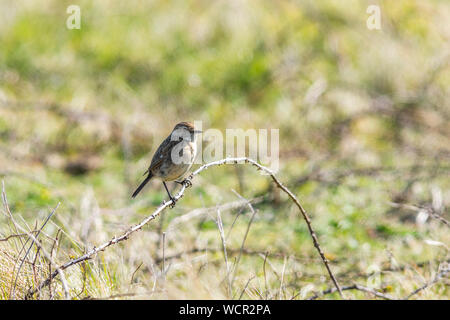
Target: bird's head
[{"x": 186, "y": 128}]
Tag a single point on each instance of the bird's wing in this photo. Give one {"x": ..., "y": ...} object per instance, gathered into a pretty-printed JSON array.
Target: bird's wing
[{"x": 162, "y": 153}]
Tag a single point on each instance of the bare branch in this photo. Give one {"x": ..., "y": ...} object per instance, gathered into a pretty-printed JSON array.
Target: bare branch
[{"x": 88, "y": 255}]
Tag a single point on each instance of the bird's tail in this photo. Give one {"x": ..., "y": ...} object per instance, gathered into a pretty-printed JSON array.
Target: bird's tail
[{"x": 142, "y": 185}]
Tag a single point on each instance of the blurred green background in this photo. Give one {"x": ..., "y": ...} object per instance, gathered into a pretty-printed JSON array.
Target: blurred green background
[{"x": 364, "y": 141}]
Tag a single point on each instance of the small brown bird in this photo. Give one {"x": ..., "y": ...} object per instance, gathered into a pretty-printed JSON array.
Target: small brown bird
[{"x": 174, "y": 157}]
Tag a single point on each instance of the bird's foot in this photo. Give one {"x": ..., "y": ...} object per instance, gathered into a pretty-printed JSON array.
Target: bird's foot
[
  {"x": 187, "y": 182},
  {"x": 172, "y": 205}
]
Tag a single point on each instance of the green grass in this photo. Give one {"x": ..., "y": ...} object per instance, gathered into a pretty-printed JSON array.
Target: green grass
[{"x": 345, "y": 99}]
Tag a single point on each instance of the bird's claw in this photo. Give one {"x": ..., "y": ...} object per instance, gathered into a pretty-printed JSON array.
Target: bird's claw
[
  {"x": 187, "y": 183},
  {"x": 172, "y": 205}
]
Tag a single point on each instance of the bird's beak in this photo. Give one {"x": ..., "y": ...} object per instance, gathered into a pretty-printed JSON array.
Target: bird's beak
[{"x": 198, "y": 131}]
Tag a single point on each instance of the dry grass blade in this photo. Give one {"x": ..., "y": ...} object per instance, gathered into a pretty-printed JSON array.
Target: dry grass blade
[
  {"x": 253, "y": 211},
  {"x": 441, "y": 274},
  {"x": 49, "y": 257},
  {"x": 29, "y": 248},
  {"x": 224, "y": 248}
]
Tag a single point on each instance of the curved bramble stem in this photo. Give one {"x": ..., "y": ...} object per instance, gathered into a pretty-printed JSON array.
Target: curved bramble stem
[{"x": 88, "y": 255}]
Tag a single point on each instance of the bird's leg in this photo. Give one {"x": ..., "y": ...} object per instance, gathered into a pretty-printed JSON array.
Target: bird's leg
[{"x": 170, "y": 196}]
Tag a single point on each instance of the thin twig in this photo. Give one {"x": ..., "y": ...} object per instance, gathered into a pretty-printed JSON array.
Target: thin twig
[
  {"x": 134, "y": 273},
  {"x": 352, "y": 287},
  {"x": 50, "y": 263},
  {"x": 246, "y": 285},
  {"x": 16, "y": 236},
  {"x": 429, "y": 210},
  {"x": 33, "y": 266}
]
